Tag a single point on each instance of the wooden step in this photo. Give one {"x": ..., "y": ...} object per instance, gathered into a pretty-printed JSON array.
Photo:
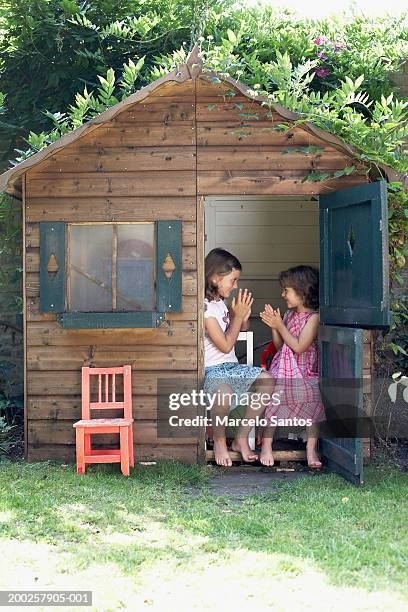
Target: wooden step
[{"x": 279, "y": 455}]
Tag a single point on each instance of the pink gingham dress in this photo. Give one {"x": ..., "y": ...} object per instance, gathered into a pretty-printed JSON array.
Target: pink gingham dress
[{"x": 297, "y": 376}]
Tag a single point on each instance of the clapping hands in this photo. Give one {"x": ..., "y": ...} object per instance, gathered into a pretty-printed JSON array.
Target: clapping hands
[
  {"x": 271, "y": 317},
  {"x": 242, "y": 304}
]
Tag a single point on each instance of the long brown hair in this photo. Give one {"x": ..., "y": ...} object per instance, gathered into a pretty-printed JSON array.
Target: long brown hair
[
  {"x": 218, "y": 262},
  {"x": 305, "y": 281}
]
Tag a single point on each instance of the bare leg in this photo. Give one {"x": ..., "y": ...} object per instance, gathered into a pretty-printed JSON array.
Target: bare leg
[
  {"x": 266, "y": 457},
  {"x": 313, "y": 460},
  {"x": 222, "y": 456},
  {"x": 264, "y": 384}
]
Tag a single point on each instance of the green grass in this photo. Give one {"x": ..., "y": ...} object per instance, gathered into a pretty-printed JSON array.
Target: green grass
[{"x": 162, "y": 534}]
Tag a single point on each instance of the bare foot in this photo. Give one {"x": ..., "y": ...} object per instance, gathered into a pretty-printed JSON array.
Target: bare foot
[
  {"x": 313, "y": 460},
  {"x": 241, "y": 445},
  {"x": 221, "y": 454},
  {"x": 266, "y": 457}
]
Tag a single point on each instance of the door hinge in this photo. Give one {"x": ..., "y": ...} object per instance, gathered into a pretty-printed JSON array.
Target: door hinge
[{"x": 381, "y": 225}]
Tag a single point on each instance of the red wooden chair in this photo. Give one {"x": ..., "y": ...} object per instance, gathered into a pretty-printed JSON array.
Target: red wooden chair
[{"x": 88, "y": 426}]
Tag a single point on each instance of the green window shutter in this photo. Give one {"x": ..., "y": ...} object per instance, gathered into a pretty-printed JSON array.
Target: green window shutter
[
  {"x": 168, "y": 266},
  {"x": 52, "y": 267}
]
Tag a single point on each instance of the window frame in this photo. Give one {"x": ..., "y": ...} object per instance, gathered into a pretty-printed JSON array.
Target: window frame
[{"x": 114, "y": 260}]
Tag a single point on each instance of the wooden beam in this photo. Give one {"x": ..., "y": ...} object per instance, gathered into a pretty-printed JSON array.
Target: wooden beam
[{"x": 25, "y": 322}]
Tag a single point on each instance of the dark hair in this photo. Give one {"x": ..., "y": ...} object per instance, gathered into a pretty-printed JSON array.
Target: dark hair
[
  {"x": 305, "y": 281},
  {"x": 218, "y": 262}
]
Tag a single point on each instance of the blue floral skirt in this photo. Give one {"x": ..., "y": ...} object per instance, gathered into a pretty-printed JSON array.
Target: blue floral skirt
[{"x": 238, "y": 377}]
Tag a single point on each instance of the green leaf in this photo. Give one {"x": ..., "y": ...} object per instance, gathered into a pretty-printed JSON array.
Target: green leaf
[
  {"x": 110, "y": 77},
  {"x": 306, "y": 150},
  {"x": 315, "y": 176},
  {"x": 251, "y": 115},
  {"x": 231, "y": 37},
  {"x": 359, "y": 81},
  {"x": 349, "y": 170}
]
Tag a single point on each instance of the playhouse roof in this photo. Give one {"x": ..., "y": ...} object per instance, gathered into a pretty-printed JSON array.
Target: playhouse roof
[{"x": 11, "y": 180}]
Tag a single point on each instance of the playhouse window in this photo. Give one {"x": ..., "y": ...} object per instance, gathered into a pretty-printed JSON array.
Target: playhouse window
[
  {"x": 107, "y": 275},
  {"x": 111, "y": 267}
]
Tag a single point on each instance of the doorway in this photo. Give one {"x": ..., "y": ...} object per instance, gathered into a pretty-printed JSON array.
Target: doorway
[{"x": 268, "y": 234}]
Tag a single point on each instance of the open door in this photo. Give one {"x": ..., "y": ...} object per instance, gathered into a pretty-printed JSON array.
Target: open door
[
  {"x": 341, "y": 383},
  {"x": 354, "y": 295},
  {"x": 354, "y": 278}
]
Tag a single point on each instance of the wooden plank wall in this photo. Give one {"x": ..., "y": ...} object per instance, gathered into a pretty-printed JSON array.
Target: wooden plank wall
[
  {"x": 240, "y": 151},
  {"x": 141, "y": 166}
]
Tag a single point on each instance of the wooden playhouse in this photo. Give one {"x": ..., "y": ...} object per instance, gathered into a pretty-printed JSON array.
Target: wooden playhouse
[{"x": 114, "y": 220}]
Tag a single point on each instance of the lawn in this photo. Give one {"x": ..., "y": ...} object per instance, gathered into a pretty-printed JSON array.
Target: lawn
[{"x": 160, "y": 540}]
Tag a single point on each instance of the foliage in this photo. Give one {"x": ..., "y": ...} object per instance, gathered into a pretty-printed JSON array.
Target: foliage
[
  {"x": 338, "y": 46},
  {"x": 87, "y": 105},
  {"x": 50, "y": 48},
  {"x": 10, "y": 254},
  {"x": 398, "y": 232},
  {"x": 10, "y": 246},
  {"x": 399, "y": 333},
  {"x": 398, "y": 379},
  {"x": 11, "y": 408},
  {"x": 6, "y": 430}
]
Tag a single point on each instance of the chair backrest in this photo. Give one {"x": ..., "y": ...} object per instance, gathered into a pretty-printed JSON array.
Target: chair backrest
[
  {"x": 107, "y": 390},
  {"x": 248, "y": 336}
]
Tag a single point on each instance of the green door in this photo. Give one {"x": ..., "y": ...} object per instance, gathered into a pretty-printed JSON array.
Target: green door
[
  {"x": 341, "y": 385},
  {"x": 354, "y": 281},
  {"x": 354, "y": 296}
]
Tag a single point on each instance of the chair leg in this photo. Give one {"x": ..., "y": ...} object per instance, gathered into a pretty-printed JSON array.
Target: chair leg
[
  {"x": 124, "y": 451},
  {"x": 87, "y": 444},
  {"x": 131, "y": 449},
  {"x": 80, "y": 450}
]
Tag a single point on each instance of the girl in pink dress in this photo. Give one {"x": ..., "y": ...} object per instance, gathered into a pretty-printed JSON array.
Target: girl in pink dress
[{"x": 295, "y": 365}]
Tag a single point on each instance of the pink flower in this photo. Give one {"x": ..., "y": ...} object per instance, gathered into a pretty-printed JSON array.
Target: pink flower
[
  {"x": 338, "y": 46},
  {"x": 322, "y": 55},
  {"x": 322, "y": 72},
  {"x": 320, "y": 40}
]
